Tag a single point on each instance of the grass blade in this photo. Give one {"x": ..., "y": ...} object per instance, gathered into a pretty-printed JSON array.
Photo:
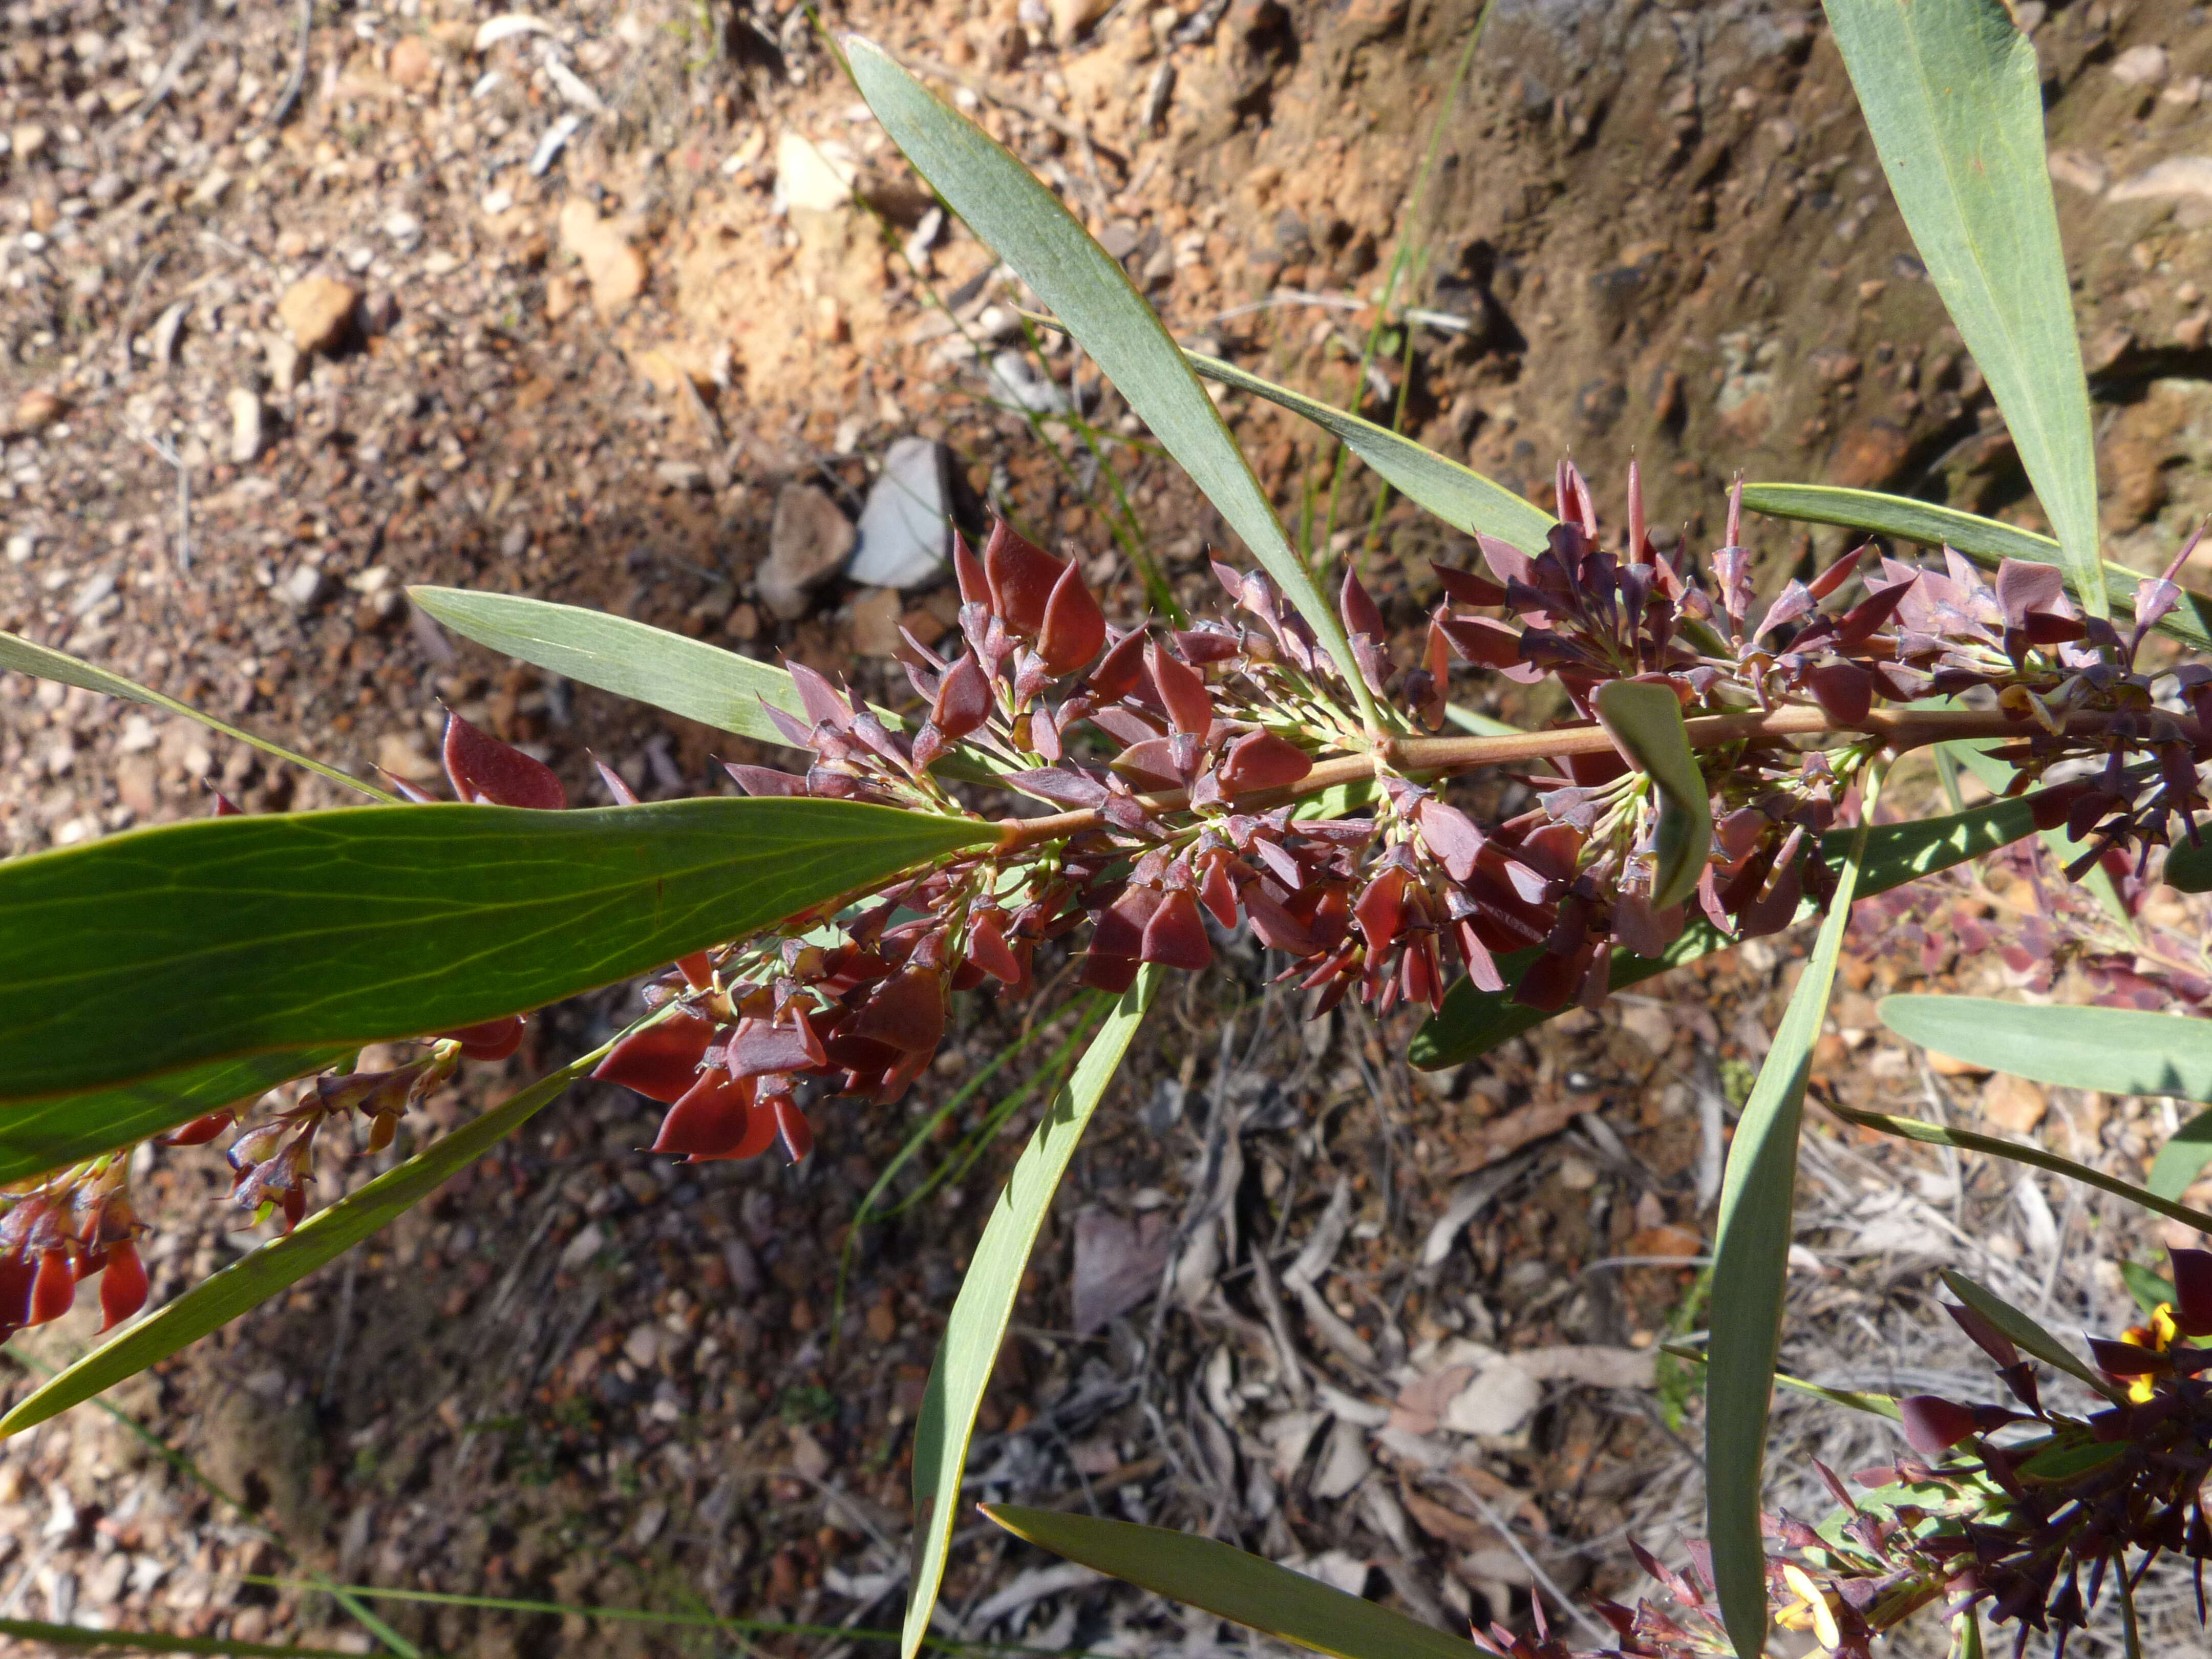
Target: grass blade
[
  {"x": 1873, "y": 1405},
  {"x": 1955, "y": 101},
  {"x": 291, "y": 931},
  {"x": 281, "y": 1263},
  {"x": 1458, "y": 495},
  {"x": 985, "y": 1303},
  {"x": 1228, "y": 1583},
  {"x": 686, "y": 677},
  {"x": 1985, "y": 541},
  {"x": 1646, "y": 721},
  {"x": 55, "y": 1133},
  {"x": 2027, "y": 1335},
  {"x": 45, "y": 663},
  {"x": 1965, "y": 1140},
  {"x": 1023, "y": 222},
  {"x": 77, "y": 1639},
  {"x": 1751, "y": 1250},
  {"x": 1474, "y": 1022},
  {"x": 2116, "y": 1051}
]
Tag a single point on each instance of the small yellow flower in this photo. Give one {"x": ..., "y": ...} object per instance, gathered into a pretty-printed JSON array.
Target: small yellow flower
[
  {"x": 2158, "y": 1336},
  {"x": 1811, "y": 1611}
]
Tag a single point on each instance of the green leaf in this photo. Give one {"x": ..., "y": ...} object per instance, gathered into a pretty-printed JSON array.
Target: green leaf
[
  {"x": 2150, "y": 1290},
  {"x": 1223, "y": 1580},
  {"x": 2116, "y": 1051},
  {"x": 981, "y": 1313},
  {"x": 277, "y": 1266},
  {"x": 1751, "y": 1252},
  {"x": 689, "y": 677},
  {"x": 43, "y": 662},
  {"x": 1965, "y": 1140},
  {"x": 55, "y": 1133},
  {"x": 1474, "y": 1022},
  {"x": 171, "y": 947},
  {"x": 153, "y": 1641},
  {"x": 1955, "y": 101},
  {"x": 2027, "y": 1335},
  {"x": 1646, "y": 721},
  {"x": 2058, "y": 1464},
  {"x": 1459, "y": 496},
  {"x": 1021, "y": 221},
  {"x": 2183, "y": 1158},
  {"x": 1873, "y": 1405},
  {"x": 1987, "y": 542}
]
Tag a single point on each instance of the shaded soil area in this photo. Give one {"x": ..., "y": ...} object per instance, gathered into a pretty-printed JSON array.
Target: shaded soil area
[{"x": 292, "y": 317}]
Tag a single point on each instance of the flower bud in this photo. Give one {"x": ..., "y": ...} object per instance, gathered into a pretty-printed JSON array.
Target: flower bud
[
  {"x": 54, "y": 1291},
  {"x": 1933, "y": 1424},
  {"x": 201, "y": 1130},
  {"x": 485, "y": 771},
  {"x": 1074, "y": 627},
  {"x": 1022, "y": 576},
  {"x": 123, "y": 1284}
]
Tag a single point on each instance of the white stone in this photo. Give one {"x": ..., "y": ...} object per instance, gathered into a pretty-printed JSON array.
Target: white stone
[
  {"x": 816, "y": 177},
  {"x": 2140, "y": 66},
  {"x": 302, "y": 587},
  {"x": 246, "y": 427},
  {"x": 905, "y": 534}
]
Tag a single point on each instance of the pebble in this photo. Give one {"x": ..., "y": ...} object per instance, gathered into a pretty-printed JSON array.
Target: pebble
[
  {"x": 282, "y": 358},
  {"x": 816, "y": 177},
  {"x": 317, "y": 310},
  {"x": 360, "y": 259},
  {"x": 808, "y": 541},
  {"x": 211, "y": 188},
  {"x": 2140, "y": 66},
  {"x": 302, "y": 587},
  {"x": 28, "y": 141},
  {"x": 904, "y": 534},
  {"x": 403, "y": 226},
  {"x": 20, "y": 546},
  {"x": 168, "y": 327},
  {"x": 876, "y": 613},
  {"x": 681, "y": 474},
  {"x": 37, "y": 410},
  {"x": 247, "y": 431},
  {"x": 33, "y": 242},
  {"x": 615, "y": 269},
  {"x": 413, "y": 64},
  {"x": 1071, "y": 17},
  {"x": 2013, "y": 1103},
  {"x": 496, "y": 201}
]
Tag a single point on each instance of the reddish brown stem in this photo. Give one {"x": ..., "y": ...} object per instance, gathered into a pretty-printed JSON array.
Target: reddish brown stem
[{"x": 1900, "y": 729}]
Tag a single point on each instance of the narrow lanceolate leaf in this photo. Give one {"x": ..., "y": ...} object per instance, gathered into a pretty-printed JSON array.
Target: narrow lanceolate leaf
[
  {"x": 2183, "y": 1158},
  {"x": 1459, "y": 496},
  {"x": 2027, "y": 1335},
  {"x": 1024, "y": 224},
  {"x": 689, "y": 677},
  {"x": 1955, "y": 101},
  {"x": 281, "y": 1263},
  {"x": 43, "y": 662},
  {"x": 2115, "y": 1051},
  {"x": 985, "y": 1303},
  {"x": 168, "y": 948},
  {"x": 1645, "y": 721},
  {"x": 1965, "y": 1140},
  {"x": 1875, "y": 1405},
  {"x": 1751, "y": 1251},
  {"x": 1474, "y": 1022},
  {"x": 1987, "y": 542},
  {"x": 77, "y": 1638},
  {"x": 1222, "y": 1580},
  {"x": 56, "y": 1132}
]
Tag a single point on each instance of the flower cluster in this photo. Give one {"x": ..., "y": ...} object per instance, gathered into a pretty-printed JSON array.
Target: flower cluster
[{"x": 2023, "y": 1515}]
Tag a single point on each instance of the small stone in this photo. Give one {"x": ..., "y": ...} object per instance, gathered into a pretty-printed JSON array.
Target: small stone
[
  {"x": 319, "y": 310},
  {"x": 44, "y": 214},
  {"x": 413, "y": 64},
  {"x": 1945, "y": 1065},
  {"x": 497, "y": 202},
  {"x": 742, "y": 624},
  {"x": 2013, "y": 1103},
  {"x": 681, "y": 474},
  {"x": 876, "y": 615},
  {"x": 1071, "y": 17},
  {"x": 905, "y": 536},
  {"x": 2140, "y": 66},
  {"x": 20, "y": 546},
  {"x": 245, "y": 428},
  {"x": 302, "y": 587},
  {"x": 106, "y": 191},
  {"x": 807, "y": 543},
  {"x": 615, "y": 269},
  {"x": 38, "y": 408},
  {"x": 169, "y": 328},
  {"x": 817, "y": 178},
  {"x": 403, "y": 226},
  {"x": 209, "y": 190},
  {"x": 282, "y": 358},
  {"x": 2080, "y": 170},
  {"x": 28, "y": 141}
]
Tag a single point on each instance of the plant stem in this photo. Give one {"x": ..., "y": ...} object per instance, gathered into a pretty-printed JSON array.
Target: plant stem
[{"x": 1899, "y": 729}]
